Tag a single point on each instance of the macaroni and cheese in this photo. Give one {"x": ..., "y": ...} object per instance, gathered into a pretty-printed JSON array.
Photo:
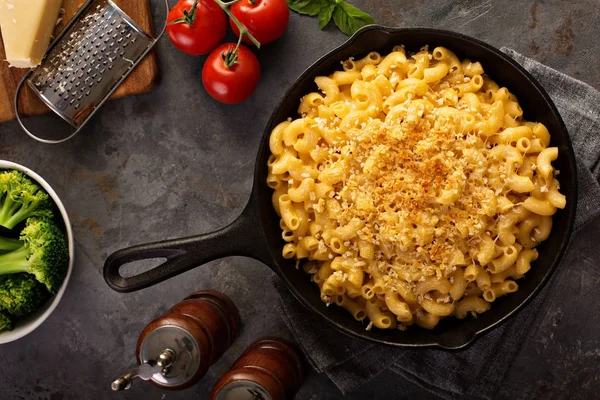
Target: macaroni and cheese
[{"x": 413, "y": 188}]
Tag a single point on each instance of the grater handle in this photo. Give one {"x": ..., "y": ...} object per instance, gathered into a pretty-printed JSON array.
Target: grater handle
[
  {"x": 164, "y": 28},
  {"x": 19, "y": 120}
]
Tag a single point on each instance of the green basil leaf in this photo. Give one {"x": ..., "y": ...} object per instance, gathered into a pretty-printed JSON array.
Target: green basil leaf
[
  {"x": 325, "y": 14},
  {"x": 307, "y": 7},
  {"x": 350, "y": 19}
]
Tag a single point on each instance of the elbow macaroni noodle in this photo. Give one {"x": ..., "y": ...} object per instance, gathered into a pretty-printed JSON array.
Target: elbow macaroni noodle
[{"x": 413, "y": 188}]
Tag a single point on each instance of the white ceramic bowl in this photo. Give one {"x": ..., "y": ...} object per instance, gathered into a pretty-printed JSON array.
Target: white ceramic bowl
[{"x": 28, "y": 324}]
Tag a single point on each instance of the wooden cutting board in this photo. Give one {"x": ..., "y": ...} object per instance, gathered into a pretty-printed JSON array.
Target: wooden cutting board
[{"x": 141, "y": 80}]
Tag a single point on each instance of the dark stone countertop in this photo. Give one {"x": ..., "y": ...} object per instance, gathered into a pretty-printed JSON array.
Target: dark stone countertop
[{"x": 174, "y": 162}]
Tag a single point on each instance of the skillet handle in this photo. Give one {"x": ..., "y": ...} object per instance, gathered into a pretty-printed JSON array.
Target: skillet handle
[{"x": 242, "y": 237}]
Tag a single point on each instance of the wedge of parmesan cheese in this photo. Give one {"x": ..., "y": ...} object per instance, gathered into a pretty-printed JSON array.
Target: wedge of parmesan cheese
[{"x": 27, "y": 27}]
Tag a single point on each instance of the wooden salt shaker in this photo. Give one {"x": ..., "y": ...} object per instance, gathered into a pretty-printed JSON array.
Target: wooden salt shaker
[
  {"x": 269, "y": 369},
  {"x": 175, "y": 350}
]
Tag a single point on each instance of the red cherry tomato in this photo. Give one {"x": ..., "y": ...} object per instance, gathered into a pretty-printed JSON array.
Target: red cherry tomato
[
  {"x": 266, "y": 20},
  {"x": 199, "y": 29},
  {"x": 231, "y": 76}
]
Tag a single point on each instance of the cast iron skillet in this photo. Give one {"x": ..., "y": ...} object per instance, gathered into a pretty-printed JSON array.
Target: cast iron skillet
[{"x": 256, "y": 233}]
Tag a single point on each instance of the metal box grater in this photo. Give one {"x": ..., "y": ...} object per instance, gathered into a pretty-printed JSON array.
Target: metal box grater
[{"x": 86, "y": 63}]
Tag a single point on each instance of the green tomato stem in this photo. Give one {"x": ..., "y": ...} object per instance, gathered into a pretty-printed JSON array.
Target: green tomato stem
[
  {"x": 189, "y": 17},
  {"x": 239, "y": 42},
  {"x": 243, "y": 31},
  {"x": 230, "y": 56}
]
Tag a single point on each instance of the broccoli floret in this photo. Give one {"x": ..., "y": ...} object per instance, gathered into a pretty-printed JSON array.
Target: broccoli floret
[
  {"x": 7, "y": 244},
  {"x": 21, "y": 294},
  {"x": 21, "y": 198},
  {"x": 44, "y": 254},
  {"x": 6, "y": 322}
]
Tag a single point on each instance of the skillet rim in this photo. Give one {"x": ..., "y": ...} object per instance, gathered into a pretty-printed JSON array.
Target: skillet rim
[{"x": 470, "y": 336}]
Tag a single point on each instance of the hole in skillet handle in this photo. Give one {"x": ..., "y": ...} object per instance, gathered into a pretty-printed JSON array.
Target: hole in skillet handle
[
  {"x": 140, "y": 266},
  {"x": 129, "y": 259}
]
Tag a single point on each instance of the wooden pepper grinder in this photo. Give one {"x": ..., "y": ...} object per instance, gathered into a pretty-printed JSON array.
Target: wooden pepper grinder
[
  {"x": 269, "y": 369},
  {"x": 176, "y": 349}
]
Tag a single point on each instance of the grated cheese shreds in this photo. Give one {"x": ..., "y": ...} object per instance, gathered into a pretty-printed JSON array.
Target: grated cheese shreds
[{"x": 403, "y": 167}]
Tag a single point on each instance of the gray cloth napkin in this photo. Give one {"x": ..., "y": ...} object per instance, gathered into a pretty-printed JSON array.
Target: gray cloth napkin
[{"x": 350, "y": 362}]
